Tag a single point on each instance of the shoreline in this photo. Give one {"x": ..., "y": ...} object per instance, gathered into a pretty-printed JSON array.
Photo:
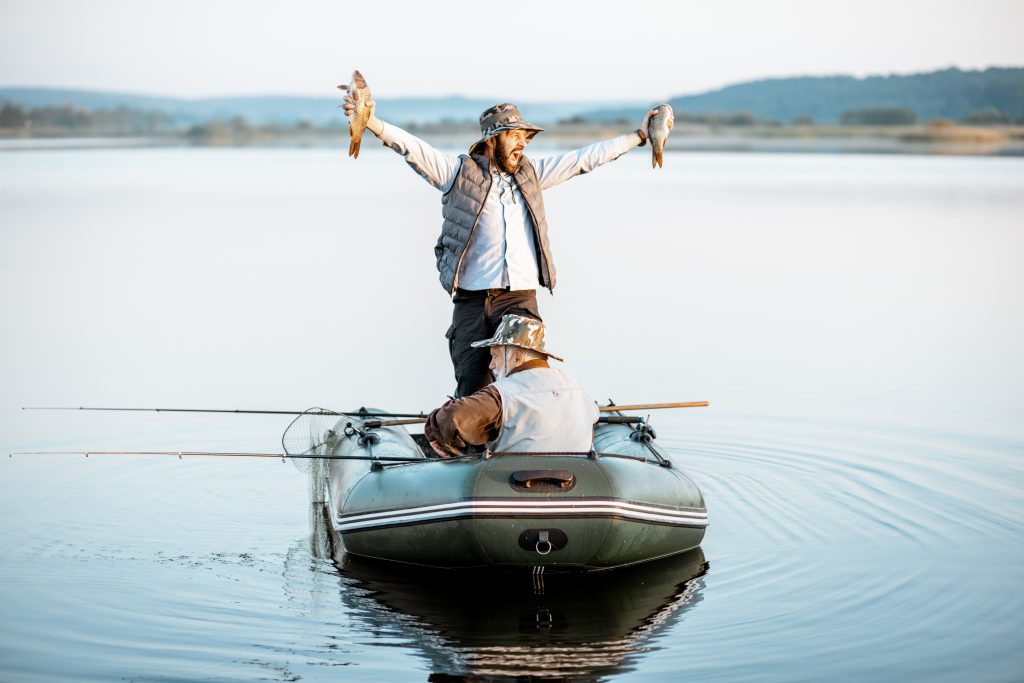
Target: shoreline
[{"x": 927, "y": 139}]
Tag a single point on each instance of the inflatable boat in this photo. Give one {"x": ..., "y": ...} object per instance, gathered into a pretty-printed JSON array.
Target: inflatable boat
[{"x": 624, "y": 502}]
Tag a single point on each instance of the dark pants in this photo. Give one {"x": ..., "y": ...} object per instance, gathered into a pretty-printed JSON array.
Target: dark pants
[{"x": 477, "y": 314}]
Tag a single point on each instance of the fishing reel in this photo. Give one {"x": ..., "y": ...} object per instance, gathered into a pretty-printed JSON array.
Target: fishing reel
[{"x": 365, "y": 438}]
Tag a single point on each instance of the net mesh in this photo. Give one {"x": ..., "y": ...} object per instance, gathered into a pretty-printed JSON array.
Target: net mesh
[{"x": 311, "y": 434}]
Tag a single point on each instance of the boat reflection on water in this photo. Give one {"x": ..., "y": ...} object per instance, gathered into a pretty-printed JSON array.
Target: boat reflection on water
[{"x": 491, "y": 626}]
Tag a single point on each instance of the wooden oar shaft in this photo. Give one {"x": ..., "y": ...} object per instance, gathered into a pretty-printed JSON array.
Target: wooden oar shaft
[
  {"x": 654, "y": 406},
  {"x": 395, "y": 423}
]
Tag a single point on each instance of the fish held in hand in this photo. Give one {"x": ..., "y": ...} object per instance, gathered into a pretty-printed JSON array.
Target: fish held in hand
[
  {"x": 361, "y": 110},
  {"x": 657, "y": 130}
]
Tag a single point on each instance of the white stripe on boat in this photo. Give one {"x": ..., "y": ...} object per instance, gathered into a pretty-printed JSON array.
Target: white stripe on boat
[
  {"x": 580, "y": 507},
  {"x": 503, "y": 502}
]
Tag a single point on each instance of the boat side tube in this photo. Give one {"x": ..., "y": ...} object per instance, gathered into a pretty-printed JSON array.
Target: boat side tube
[{"x": 522, "y": 510}]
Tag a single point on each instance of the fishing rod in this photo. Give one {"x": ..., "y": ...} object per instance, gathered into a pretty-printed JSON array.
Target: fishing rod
[
  {"x": 181, "y": 454},
  {"x": 416, "y": 417},
  {"x": 410, "y": 419},
  {"x": 317, "y": 411}
]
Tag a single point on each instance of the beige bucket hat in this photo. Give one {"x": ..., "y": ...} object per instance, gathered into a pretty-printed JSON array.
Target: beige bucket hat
[
  {"x": 502, "y": 117},
  {"x": 517, "y": 330}
]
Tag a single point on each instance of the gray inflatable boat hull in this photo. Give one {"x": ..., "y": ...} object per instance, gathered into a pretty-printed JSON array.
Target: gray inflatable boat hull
[{"x": 574, "y": 512}]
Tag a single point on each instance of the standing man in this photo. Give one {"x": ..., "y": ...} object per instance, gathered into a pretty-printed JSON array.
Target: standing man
[{"x": 493, "y": 252}]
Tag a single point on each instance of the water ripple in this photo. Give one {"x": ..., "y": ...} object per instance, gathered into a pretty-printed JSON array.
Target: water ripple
[
  {"x": 863, "y": 551},
  {"x": 809, "y": 485}
]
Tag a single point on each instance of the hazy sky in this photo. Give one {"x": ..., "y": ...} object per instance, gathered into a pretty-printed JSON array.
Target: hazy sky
[{"x": 523, "y": 50}]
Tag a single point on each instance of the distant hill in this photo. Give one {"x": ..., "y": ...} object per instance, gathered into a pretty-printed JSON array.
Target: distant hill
[
  {"x": 950, "y": 93},
  {"x": 290, "y": 109}
]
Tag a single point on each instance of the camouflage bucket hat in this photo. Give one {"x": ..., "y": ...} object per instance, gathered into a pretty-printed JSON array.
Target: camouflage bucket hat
[
  {"x": 516, "y": 330},
  {"x": 502, "y": 117}
]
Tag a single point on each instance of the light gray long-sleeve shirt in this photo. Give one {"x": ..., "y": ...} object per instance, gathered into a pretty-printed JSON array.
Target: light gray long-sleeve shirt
[{"x": 502, "y": 252}]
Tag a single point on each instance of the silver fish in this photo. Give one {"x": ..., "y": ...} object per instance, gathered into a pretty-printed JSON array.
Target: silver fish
[
  {"x": 360, "y": 94},
  {"x": 657, "y": 130}
]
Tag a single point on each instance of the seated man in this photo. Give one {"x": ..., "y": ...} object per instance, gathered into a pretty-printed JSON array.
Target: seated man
[{"x": 530, "y": 407}]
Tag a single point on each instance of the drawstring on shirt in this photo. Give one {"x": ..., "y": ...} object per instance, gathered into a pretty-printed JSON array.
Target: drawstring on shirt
[{"x": 507, "y": 184}]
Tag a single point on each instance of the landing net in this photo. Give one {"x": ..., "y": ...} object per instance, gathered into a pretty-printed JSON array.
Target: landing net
[{"x": 311, "y": 434}]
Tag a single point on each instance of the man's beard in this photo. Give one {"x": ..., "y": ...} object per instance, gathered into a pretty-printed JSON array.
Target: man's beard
[{"x": 505, "y": 163}]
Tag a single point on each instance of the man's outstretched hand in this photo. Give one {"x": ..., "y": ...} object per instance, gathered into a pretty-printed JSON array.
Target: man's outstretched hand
[
  {"x": 647, "y": 119},
  {"x": 375, "y": 125}
]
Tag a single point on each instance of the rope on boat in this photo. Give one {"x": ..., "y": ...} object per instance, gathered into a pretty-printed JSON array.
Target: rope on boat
[{"x": 590, "y": 454}]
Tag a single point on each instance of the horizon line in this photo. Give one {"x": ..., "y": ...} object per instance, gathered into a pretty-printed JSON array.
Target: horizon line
[{"x": 753, "y": 79}]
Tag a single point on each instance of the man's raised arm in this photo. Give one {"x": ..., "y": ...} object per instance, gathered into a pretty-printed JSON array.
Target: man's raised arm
[
  {"x": 437, "y": 168},
  {"x": 554, "y": 170}
]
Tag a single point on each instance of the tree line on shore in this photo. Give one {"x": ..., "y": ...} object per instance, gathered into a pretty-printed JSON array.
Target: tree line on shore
[
  {"x": 123, "y": 121},
  {"x": 950, "y": 94},
  {"x": 868, "y": 116}
]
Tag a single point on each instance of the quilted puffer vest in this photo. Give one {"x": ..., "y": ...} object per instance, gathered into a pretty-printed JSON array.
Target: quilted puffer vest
[{"x": 461, "y": 207}]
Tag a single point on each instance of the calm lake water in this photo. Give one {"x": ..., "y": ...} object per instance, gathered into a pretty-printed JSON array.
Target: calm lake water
[{"x": 857, "y": 323}]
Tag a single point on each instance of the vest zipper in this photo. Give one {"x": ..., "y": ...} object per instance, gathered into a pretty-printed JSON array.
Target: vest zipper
[
  {"x": 465, "y": 247},
  {"x": 545, "y": 268}
]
